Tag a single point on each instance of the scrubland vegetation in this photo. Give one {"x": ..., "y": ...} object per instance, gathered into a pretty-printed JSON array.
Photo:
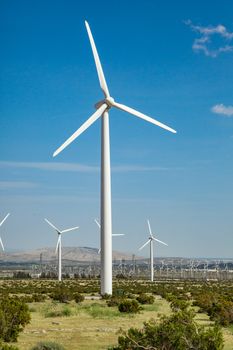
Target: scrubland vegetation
[{"x": 48, "y": 315}]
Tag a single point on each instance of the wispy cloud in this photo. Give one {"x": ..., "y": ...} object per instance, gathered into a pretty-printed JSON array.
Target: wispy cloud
[
  {"x": 68, "y": 167},
  {"x": 223, "y": 110},
  {"x": 204, "y": 42},
  {"x": 72, "y": 167},
  {"x": 16, "y": 184}
]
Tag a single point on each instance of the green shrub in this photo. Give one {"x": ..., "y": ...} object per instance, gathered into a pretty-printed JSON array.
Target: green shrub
[
  {"x": 119, "y": 292},
  {"x": 14, "y": 315},
  {"x": 62, "y": 295},
  {"x": 179, "y": 304},
  {"x": 145, "y": 299},
  {"x": 47, "y": 345},
  {"x": 114, "y": 301},
  {"x": 176, "y": 332},
  {"x": 106, "y": 296},
  {"x": 55, "y": 311},
  {"x": 221, "y": 312},
  {"x": 38, "y": 298},
  {"x": 78, "y": 297},
  {"x": 66, "y": 311},
  {"x": 100, "y": 311},
  {"x": 7, "y": 347},
  {"x": 129, "y": 306}
]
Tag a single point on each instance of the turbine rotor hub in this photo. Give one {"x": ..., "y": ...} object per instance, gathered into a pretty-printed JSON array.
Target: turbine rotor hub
[{"x": 109, "y": 101}]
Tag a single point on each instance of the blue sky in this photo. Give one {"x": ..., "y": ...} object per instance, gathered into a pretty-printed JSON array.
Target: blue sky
[{"x": 169, "y": 59}]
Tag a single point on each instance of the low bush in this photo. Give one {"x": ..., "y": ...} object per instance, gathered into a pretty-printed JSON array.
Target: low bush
[
  {"x": 178, "y": 304},
  {"x": 119, "y": 292},
  {"x": 96, "y": 310},
  {"x": 56, "y": 311},
  {"x": 129, "y": 306},
  {"x": 114, "y": 301},
  {"x": 66, "y": 311},
  {"x": 78, "y": 297},
  {"x": 38, "y": 298},
  {"x": 62, "y": 295},
  {"x": 145, "y": 299},
  {"x": 222, "y": 313},
  {"x": 106, "y": 296},
  {"x": 7, "y": 347},
  {"x": 176, "y": 332},
  {"x": 14, "y": 315},
  {"x": 47, "y": 345}
]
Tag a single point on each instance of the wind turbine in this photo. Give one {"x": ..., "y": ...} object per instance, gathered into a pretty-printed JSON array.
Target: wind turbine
[
  {"x": 0, "y": 226},
  {"x": 113, "y": 234},
  {"x": 58, "y": 246},
  {"x": 102, "y": 110},
  {"x": 151, "y": 241}
]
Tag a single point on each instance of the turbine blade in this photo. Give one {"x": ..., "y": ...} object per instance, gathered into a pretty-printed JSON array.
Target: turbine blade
[
  {"x": 4, "y": 219},
  {"x": 142, "y": 116},
  {"x": 97, "y": 223},
  {"x": 70, "y": 229},
  {"x": 58, "y": 242},
  {"x": 144, "y": 245},
  {"x": 99, "y": 69},
  {"x": 157, "y": 240},
  {"x": 55, "y": 228},
  {"x": 1, "y": 244},
  {"x": 148, "y": 222},
  {"x": 114, "y": 234},
  {"x": 82, "y": 128}
]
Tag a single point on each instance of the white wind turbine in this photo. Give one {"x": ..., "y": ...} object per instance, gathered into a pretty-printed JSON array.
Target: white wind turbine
[
  {"x": 151, "y": 241},
  {"x": 113, "y": 234},
  {"x": 0, "y": 226},
  {"x": 102, "y": 110},
  {"x": 58, "y": 246}
]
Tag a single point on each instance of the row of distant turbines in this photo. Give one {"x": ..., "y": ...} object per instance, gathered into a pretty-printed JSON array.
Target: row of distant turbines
[
  {"x": 102, "y": 110},
  {"x": 58, "y": 249}
]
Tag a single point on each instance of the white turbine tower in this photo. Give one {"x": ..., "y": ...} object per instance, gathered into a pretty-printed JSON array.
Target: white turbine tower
[
  {"x": 151, "y": 241},
  {"x": 113, "y": 234},
  {"x": 102, "y": 110},
  {"x": 0, "y": 226},
  {"x": 58, "y": 246}
]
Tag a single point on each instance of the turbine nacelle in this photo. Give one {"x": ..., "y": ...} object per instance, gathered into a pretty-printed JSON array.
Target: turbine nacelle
[
  {"x": 151, "y": 238},
  {"x": 109, "y": 101}
]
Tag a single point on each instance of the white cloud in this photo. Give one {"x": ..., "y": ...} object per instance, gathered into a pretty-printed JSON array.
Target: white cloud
[
  {"x": 203, "y": 44},
  {"x": 16, "y": 184},
  {"x": 50, "y": 166},
  {"x": 224, "y": 110},
  {"x": 72, "y": 167}
]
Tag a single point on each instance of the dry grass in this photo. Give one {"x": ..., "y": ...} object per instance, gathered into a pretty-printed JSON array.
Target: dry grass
[{"x": 91, "y": 325}]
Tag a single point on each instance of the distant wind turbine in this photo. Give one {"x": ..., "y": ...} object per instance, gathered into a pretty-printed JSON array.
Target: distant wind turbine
[
  {"x": 151, "y": 241},
  {"x": 0, "y": 226},
  {"x": 113, "y": 234},
  {"x": 58, "y": 246},
  {"x": 102, "y": 110}
]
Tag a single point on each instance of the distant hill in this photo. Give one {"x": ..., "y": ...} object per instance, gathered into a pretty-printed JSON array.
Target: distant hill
[{"x": 82, "y": 254}]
